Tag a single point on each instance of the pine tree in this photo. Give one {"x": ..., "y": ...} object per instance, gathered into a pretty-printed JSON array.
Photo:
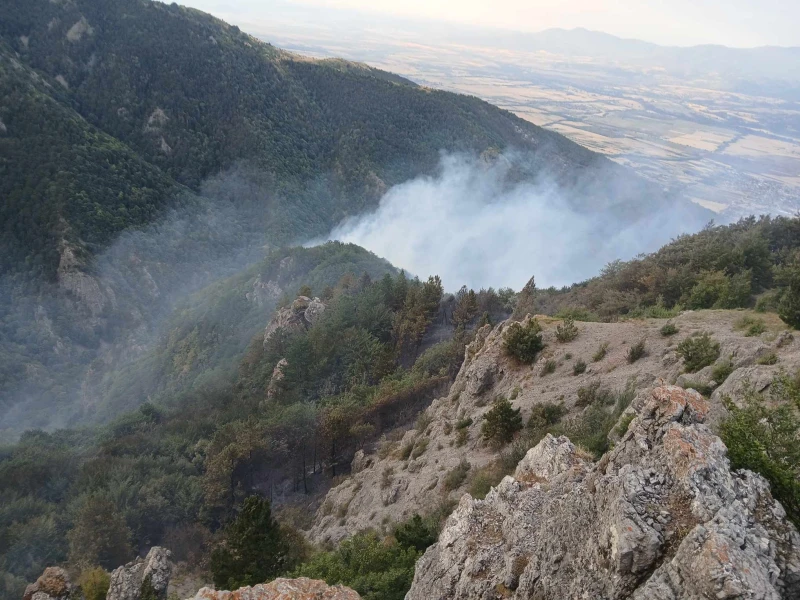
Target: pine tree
[
  {"x": 789, "y": 308},
  {"x": 254, "y": 550},
  {"x": 501, "y": 422}
]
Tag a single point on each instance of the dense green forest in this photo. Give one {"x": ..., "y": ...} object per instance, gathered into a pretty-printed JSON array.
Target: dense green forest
[{"x": 752, "y": 263}]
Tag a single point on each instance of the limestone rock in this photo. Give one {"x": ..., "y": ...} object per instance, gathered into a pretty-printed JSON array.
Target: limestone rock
[
  {"x": 314, "y": 310},
  {"x": 283, "y": 589},
  {"x": 388, "y": 490},
  {"x": 660, "y": 516},
  {"x": 278, "y": 373},
  {"x": 53, "y": 584},
  {"x": 128, "y": 581},
  {"x": 297, "y": 317}
]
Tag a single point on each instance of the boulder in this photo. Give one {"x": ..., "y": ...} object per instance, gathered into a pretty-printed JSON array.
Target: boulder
[
  {"x": 297, "y": 317},
  {"x": 148, "y": 577},
  {"x": 283, "y": 589},
  {"x": 53, "y": 584},
  {"x": 660, "y": 516}
]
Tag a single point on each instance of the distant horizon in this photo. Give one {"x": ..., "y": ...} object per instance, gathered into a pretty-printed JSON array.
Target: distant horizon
[{"x": 743, "y": 30}]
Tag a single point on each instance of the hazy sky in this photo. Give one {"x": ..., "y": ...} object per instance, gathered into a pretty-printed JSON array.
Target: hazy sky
[{"x": 741, "y": 23}]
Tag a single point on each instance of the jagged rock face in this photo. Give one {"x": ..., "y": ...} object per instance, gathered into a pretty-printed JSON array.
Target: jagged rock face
[
  {"x": 278, "y": 373},
  {"x": 153, "y": 572},
  {"x": 385, "y": 487},
  {"x": 53, "y": 584},
  {"x": 301, "y": 315},
  {"x": 661, "y": 516},
  {"x": 283, "y": 589}
]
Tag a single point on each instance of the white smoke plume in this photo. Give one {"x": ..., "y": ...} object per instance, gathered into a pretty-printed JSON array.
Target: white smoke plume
[{"x": 470, "y": 226}]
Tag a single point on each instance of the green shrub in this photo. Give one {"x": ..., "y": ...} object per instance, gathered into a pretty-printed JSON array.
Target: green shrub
[
  {"x": 523, "y": 342},
  {"x": 548, "y": 367},
  {"x": 94, "y": 583},
  {"x": 752, "y": 326},
  {"x": 546, "y": 414},
  {"x": 637, "y": 351},
  {"x": 454, "y": 479},
  {"x": 625, "y": 422},
  {"x": 464, "y": 423},
  {"x": 669, "y": 329},
  {"x": 483, "y": 480},
  {"x": 377, "y": 568},
  {"x": 566, "y": 331},
  {"x": 601, "y": 352},
  {"x": 579, "y": 367},
  {"x": 762, "y": 436},
  {"x": 768, "y": 359},
  {"x": 698, "y": 351},
  {"x": 789, "y": 305},
  {"x": 721, "y": 371},
  {"x": 417, "y": 533},
  {"x": 501, "y": 422},
  {"x": 591, "y": 428},
  {"x": 253, "y": 548},
  {"x": 420, "y": 447},
  {"x": 593, "y": 393},
  {"x": 462, "y": 436}
]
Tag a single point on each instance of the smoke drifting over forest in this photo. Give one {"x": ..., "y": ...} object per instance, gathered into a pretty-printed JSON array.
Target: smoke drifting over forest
[{"x": 470, "y": 226}]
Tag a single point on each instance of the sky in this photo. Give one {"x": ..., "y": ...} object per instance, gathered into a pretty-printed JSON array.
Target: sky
[{"x": 738, "y": 23}]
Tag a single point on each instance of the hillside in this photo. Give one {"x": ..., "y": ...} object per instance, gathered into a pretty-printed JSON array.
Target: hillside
[
  {"x": 362, "y": 401},
  {"x": 193, "y": 97},
  {"x": 150, "y": 150}
]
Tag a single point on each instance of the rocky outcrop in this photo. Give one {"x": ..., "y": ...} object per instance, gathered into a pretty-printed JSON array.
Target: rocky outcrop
[
  {"x": 53, "y": 584},
  {"x": 278, "y": 373},
  {"x": 661, "y": 516},
  {"x": 297, "y": 317},
  {"x": 283, "y": 589},
  {"x": 147, "y": 577},
  {"x": 390, "y": 485}
]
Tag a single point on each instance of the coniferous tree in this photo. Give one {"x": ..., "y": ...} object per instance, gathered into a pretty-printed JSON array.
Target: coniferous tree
[
  {"x": 254, "y": 549},
  {"x": 501, "y": 422}
]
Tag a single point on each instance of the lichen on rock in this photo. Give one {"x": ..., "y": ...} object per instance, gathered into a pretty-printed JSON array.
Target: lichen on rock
[{"x": 660, "y": 516}]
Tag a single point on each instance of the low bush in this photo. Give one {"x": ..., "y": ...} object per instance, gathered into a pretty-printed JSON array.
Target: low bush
[
  {"x": 669, "y": 329},
  {"x": 566, "y": 331},
  {"x": 593, "y": 393},
  {"x": 721, "y": 371},
  {"x": 698, "y": 351},
  {"x": 601, "y": 352},
  {"x": 636, "y": 352},
  {"x": 762, "y": 435},
  {"x": 768, "y": 359},
  {"x": 548, "y": 367},
  {"x": 752, "y": 326},
  {"x": 454, "y": 479},
  {"x": 94, "y": 583},
  {"x": 546, "y": 414},
  {"x": 579, "y": 367},
  {"x": 501, "y": 422},
  {"x": 523, "y": 342}
]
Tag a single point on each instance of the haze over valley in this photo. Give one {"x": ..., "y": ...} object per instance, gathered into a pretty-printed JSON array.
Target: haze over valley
[{"x": 720, "y": 125}]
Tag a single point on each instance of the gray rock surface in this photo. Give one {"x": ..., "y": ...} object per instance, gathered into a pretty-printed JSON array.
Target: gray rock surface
[
  {"x": 385, "y": 487},
  {"x": 301, "y": 588},
  {"x": 299, "y": 316},
  {"x": 661, "y": 516},
  {"x": 128, "y": 581}
]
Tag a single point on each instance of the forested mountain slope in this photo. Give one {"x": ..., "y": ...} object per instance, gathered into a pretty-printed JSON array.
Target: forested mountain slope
[
  {"x": 194, "y": 96},
  {"x": 150, "y": 149}
]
